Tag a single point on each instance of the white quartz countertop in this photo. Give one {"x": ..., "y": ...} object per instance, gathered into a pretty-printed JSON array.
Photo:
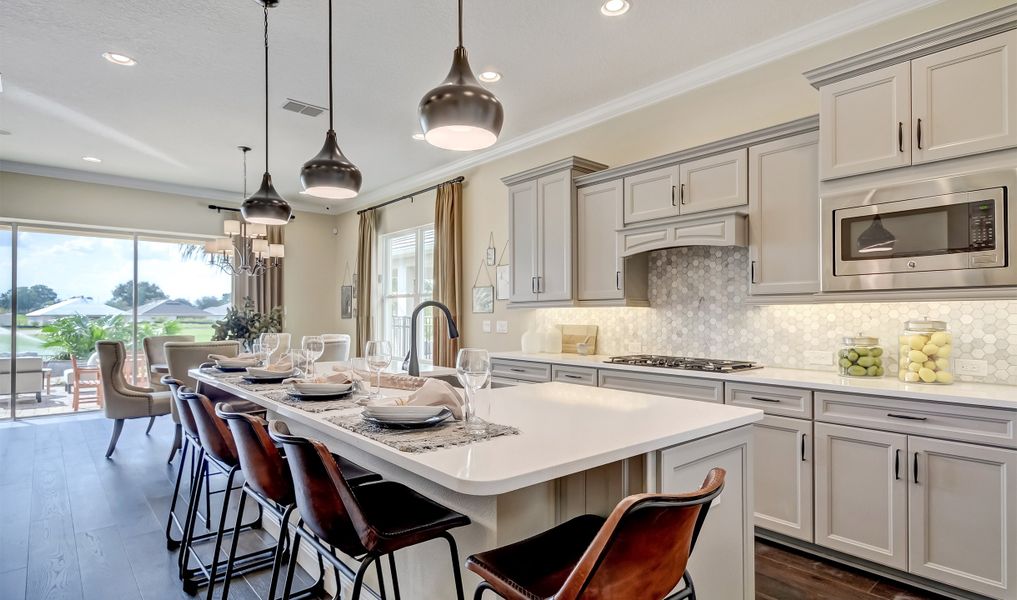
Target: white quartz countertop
[
  {"x": 564, "y": 429},
  {"x": 975, "y": 394}
]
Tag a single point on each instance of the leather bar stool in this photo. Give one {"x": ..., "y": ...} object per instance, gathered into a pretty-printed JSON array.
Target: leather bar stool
[
  {"x": 640, "y": 552},
  {"x": 367, "y": 522},
  {"x": 268, "y": 482},
  {"x": 218, "y": 451}
]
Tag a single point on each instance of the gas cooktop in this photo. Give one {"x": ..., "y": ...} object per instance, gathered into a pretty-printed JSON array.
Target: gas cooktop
[{"x": 684, "y": 362}]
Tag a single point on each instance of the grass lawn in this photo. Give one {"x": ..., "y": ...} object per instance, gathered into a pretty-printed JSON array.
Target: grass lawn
[
  {"x": 202, "y": 332},
  {"x": 29, "y": 340}
]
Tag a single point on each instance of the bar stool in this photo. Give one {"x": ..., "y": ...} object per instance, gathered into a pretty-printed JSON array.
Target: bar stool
[
  {"x": 366, "y": 523},
  {"x": 640, "y": 552},
  {"x": 218, "y": 451},
  {"x": 268, "y": 482}
]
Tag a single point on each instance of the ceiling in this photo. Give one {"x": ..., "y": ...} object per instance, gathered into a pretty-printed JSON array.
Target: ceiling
[{"x": 196, "y": 92}]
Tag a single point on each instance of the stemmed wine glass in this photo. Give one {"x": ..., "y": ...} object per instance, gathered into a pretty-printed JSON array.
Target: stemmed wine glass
[
  {"x": 473, "y": 367},
  {"x": 313, "y": 347},
  {"x": 269, "y": 343},
  {"x": 379, "y": 356}
]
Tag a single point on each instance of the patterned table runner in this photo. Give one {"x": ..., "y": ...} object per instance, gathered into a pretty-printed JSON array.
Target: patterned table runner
[
  {"x": 448, "y": 435},
  {"x": 277, "y": 392}
]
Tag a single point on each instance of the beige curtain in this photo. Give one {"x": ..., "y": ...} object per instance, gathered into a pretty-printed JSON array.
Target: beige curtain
[
  {"x": 366, "y": 243},
  {"x": 266, "y": 290},
  {"x": 448, "y": 259}
]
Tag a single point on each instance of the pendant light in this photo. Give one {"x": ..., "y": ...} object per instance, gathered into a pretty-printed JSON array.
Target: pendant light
[
  {"x": 266, "y": 206},
  {"x": 330, "y": 174},
  {"x": 876, "y": 238},
  {"x": 460, "y": 114}
]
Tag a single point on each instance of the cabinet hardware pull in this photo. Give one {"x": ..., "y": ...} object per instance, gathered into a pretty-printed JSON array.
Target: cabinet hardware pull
[
  {"x": 761, "y": 399},
  {"x": 517, "y": 370},
  {"x": 896, "y": 464},
  {"x": 533, "y": 284},
  {"x": 540, "y": 284},
  {"x": 752, "y": 272},
  {"x": 907, "y": 417},
  {"x": 900, "y": 135},
  {"x": 803, "y": 447},
  {"x": 617, "y": 280},
  {"x": 571, "y": 376},
  {"x": 681, "y": 194},
  {"x": 673, "y": 190},
  {"x": 916, "y": 468},
  {"x": 919, "y": 133}
]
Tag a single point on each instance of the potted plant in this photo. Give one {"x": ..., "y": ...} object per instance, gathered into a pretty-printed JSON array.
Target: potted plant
[{"x": 246, "y": 324}]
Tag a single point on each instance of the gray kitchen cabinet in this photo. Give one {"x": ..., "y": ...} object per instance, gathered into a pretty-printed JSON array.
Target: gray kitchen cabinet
[
  {"x": 520, "y": 370},
  {"x": 542, "y": 212},
  {"x": 603, "y": 276},
  {"x": 783, "y": 481},
  {"x": 784, "y": 216},
  {"x": 964, "y": 99},
  {"x": 713, "y": 182},
  {"x": 576, "y": 375},
  {"x": 861, "y": 493},
  {"x": 651, "y": 195},
  {"x": 962, "y": 502},
  {"x": 677, "y": 386}
]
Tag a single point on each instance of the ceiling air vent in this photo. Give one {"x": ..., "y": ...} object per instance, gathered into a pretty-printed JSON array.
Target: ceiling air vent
[{"x": 303, "y": 108}]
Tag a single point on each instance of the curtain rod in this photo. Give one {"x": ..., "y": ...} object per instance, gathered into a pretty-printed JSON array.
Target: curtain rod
[{"x": 459, "y": 179}]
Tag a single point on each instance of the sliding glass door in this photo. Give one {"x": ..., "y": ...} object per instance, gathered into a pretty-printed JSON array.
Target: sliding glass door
[{"x": 6, "y": 319}]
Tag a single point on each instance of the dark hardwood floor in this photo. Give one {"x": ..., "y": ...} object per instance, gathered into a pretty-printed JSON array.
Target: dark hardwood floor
[{"x": 74, "y": 525}]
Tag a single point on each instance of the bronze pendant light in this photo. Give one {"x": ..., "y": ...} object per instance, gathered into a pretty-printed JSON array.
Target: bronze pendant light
[
  {"x": 330, "y": 174},
  {"x": 460, "y": 114},
  {"x": 266, "y": 206}
]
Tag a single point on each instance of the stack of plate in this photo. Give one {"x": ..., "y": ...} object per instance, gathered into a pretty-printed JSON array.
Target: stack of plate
[
  {"x": 319, "y": 391},
  {"x": 406, "y": 417},
  {"x": 234, "y": 365},
  {"x": 255, "y": 375}
]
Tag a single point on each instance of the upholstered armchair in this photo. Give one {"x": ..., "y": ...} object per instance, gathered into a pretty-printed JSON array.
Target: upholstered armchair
[
  {"x": 155, "y": 356},
  {"x": 121, "y": 400},
  {"x": 337, "y": 347},
  {"x": 181, "y": 357}
]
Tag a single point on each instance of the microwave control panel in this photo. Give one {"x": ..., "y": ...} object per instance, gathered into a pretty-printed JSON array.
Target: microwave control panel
[{"x": 982, "y": 225}]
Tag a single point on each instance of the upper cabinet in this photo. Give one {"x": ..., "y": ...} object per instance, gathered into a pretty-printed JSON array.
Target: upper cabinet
[
  {"x": 651, "y": 195},
  {"x": 603, "y": 276},
  {"x": 713, "y": 182},
  {"x": 959, "y": 101}
]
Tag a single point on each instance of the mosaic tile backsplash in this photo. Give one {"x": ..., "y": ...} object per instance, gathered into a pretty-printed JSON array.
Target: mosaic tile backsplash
[{"x": 697, "y": 309}]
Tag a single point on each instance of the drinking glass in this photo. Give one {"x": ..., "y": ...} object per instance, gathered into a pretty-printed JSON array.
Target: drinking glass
[
  {"x": 313, "y": 346},
  {"x": 379, "y": 356},
  {"x": 259, "y": 353},
  {"x": 473, "y": 367},
  {"x": 269, "y": 344}
]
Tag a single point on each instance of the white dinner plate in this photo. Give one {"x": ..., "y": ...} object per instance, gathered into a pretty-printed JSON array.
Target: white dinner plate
[
  {"x": 313, "y": 389},
  {"x": 268, "y": 373}
]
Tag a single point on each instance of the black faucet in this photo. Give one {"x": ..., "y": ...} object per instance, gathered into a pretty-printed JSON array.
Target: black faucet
[{"x": 410, "y": 365}]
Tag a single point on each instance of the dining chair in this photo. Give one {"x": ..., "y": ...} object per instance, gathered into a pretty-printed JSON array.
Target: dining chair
[
  {"x": 84, "y": 378},
  {"x": 367, "y": 523},
  {"x": 122, "y": 400},
  {"x": 639, "y": 552},
  {"x": 337, "y": 347},
  {"x": 155, "y": 354}
]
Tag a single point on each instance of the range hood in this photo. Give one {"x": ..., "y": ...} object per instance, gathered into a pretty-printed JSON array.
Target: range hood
[{"x": 728, "y": 228}]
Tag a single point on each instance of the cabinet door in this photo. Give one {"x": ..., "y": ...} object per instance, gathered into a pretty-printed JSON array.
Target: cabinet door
[
  {"x": 783, "y": 479},
  {"x": 713, "y": 182},
  {"x": 523, "y": 241},
  {"x": 962, "y": 502},
  {"x": 554, "y": 241},
  {"x": 651, "y": 195},
  {"x": 964, "y": 99},
  {"x": 784, "y": 216},
  {"x": 599, "y": 275},
  {"x": 861, "y": 493},
  {"x": 865, "y": 123}
]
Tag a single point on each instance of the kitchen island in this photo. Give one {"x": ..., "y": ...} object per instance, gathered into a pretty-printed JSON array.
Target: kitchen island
[{"x": 578, "y": 450}]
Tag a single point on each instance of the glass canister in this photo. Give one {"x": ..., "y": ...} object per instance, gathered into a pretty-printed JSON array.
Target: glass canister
[
  {"x": 925, "y": 352},
  {"x": 860, "y": 356}
]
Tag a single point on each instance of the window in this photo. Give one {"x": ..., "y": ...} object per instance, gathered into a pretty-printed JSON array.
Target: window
[{"x": 407, "y": 279}]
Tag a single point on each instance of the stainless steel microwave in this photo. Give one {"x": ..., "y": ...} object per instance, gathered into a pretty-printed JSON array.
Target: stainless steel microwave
[{"x": 943, "y": 233}]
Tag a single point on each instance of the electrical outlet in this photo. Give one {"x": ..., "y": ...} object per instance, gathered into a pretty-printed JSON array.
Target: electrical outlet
[
  {"x": 818, "y": 357},
  {"x": 967, "y": 366},
  {"x": 501, "y": 326},
  {"x": 486, "y": 325}
]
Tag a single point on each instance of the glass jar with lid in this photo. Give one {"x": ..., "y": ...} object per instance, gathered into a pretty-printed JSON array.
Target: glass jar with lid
[
  {"x": 925, "y": 352},
  {"x": 860, "y": 356}
]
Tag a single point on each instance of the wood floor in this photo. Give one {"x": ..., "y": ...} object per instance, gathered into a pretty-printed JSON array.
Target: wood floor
[{"x": 74, "y": 525}]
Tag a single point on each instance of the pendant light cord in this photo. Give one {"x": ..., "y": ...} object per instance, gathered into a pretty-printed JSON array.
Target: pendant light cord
[
  {"x": 331, "y": 124},
  {"x": 460, "y": 23},
  {"x": 266, "y": 87},
  {"x": 244, "y": 150}
]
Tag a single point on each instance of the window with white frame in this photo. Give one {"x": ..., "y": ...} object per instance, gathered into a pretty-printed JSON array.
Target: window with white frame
[{"x": 407, "y": 279}]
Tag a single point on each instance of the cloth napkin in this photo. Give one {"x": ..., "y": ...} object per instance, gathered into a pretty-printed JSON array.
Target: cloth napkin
[
  {"x": 336, "y": 377},
  {"x": 245, "y": 359},
  {"x": 396, "y": 381},
  {"x": 435, "y": 392},
  {"x": 284, "y": 365}
]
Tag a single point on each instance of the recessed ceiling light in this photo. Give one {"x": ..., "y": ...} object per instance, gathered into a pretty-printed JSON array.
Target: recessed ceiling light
[
  {"x": 418, "y": 136},
  {"x": 490, "y": 76},
  {"x": 613, "y": 8},
  {"x": 91, "y": 159},
  {"x": 119, "y": 59}
]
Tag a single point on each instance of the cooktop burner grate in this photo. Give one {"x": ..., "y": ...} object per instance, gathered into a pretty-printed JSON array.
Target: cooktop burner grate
[{"x": 684, "y": 362}]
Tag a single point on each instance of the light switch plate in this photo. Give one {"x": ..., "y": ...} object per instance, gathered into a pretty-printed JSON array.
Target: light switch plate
[
  {"x": 486, "y": 325},
  {"x": 967, "y": 366},
  {"x": 818, "y": 357},
  {"x": 501, "y": 326}
]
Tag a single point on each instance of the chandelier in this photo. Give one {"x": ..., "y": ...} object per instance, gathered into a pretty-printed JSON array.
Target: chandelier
[{"x": 245, "y": 249}]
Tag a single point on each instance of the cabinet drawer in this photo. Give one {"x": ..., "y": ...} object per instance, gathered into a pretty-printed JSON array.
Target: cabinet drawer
[
  {"x": 577, "y": 375},
  {"x": 663, "y": 385},
  {"x": 932, "y": 419},
  {"x": 522, "y": 370},
  {"x": 772, "y": 400}
]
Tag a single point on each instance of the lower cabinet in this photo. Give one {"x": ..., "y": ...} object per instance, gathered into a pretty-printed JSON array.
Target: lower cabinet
[
  {"x": 691, "y": 388},
  {"x": 937, "y": 509},
  {"x": 783, "y": 466}
]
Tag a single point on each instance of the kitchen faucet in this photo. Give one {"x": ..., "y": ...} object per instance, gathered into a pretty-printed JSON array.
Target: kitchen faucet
[{"x": 410, "y": 365}]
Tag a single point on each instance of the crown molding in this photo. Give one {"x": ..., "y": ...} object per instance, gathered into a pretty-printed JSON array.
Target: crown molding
[
  {"x": 818, "y": 32},
  {"x": 578, "y": 164}
]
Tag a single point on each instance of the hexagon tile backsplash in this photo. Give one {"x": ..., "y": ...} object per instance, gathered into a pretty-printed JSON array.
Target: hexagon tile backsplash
[{"x": 697, "y": 309}]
